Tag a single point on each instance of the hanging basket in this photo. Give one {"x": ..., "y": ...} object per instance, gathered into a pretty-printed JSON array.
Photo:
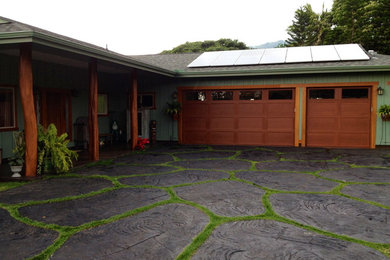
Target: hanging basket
[
  {"x": 175, "y": 116},
  {"x": 385, "y": 117}
]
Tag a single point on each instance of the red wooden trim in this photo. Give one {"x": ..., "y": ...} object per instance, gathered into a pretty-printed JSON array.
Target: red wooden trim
[
  {"x": 70, "y": 119},
  {"x": 134, "y": 110},
  {"x": 374, "y": 105},
  {"x": 27, "y": 99},
  {"x": 304, "y": 111},
  {"x": 153, "y": 94},
  {"x": 180, "y": 121},
  {"x": 15, "y": 126},
  {"x": 92, "y": 112}
]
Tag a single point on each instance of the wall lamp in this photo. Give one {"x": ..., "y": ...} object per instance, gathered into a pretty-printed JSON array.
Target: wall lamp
[{"x": 380, "y": 91}]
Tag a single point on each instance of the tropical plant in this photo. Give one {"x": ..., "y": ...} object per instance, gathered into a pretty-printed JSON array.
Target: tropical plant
[
  {"x": 20, "y": 144},
  {"x": 141, "y": 142},
  {"x": 53, "y": 152},
  {"x": 173, "y": 108},
  {"x": 15, "y": 161},
  {"x": 384, "y": 112}
]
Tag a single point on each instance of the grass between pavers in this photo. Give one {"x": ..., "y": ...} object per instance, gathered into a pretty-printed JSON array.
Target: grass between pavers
[
  {"x": 215, "y": 220},
  {"x": 10, "y": 185}
]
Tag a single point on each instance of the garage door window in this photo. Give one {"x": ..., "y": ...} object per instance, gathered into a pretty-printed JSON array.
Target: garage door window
[
  {"x": 222, "y": 95},
  {"x": 321, "y": 94},
  {"x": 280, "y": 94},
  {"x": 250, "y": 95},
  {"x": 196, "y": 96},
  {"x": 355, "y": 93}
]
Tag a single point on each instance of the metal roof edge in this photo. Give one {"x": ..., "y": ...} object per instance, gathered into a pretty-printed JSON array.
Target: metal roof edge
[{"x": 322, "y": 70}]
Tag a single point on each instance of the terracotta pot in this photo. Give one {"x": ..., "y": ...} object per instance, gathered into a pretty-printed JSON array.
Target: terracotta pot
[
  {"x": 175, "y": 116},
  {"x": 385, "y": 117}
]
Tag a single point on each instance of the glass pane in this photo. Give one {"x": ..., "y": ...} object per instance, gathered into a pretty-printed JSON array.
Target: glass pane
[
  {"x": 280, "y": 94},
  {"x": 222, "y": 95},
  {"x": 196, "y": 95},
  {"x": 321, "y": 94},
  {"x": 355, "y": 93},
  {"x": 250, "y": 95},
  {"x": 6, "y": 108},
  {"x": 147, "y": 100},
  {"x": 102, "y": 104}
]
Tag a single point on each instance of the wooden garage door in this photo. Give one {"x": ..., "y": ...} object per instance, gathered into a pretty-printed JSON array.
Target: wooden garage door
[
  {"x": 238, "y": 117},
  {"x": 338, "y": 117}
]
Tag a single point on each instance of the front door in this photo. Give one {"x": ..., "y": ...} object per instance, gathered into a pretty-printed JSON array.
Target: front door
[{"x": 55, "y": 108}]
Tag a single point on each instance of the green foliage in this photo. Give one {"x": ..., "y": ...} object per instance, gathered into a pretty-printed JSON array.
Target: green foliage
[
  {"x": 53, "y": 152},
  {"x": 20, "y": 145},
  {"x": 219, "y": 45},
  {"x": 173, "y": 108},
  {"x": 384, "y": 111}
]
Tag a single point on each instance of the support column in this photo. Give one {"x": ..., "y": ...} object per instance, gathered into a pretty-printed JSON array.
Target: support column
[
  {"x": 134, "y": 110},
  {"x": 93, "y": 147},
  {"x": 27, "y": 99}
]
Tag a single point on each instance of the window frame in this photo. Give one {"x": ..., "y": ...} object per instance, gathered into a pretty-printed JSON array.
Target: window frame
[
  {"x": 14, "y": 127},
  {"x": 139, "y": 97},
  {"x": 105, "y": 112}
]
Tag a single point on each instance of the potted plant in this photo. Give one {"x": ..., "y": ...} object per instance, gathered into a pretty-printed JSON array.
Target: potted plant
[
  {"x": 384, "y": 112},
  {"x": 16, "y": 165},
  {"x": 173, "y": 109}
]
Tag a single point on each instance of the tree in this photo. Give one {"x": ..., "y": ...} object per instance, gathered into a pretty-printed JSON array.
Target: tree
[
  {"x": 219, "y": 45},
  {"x": 305, "y": 28}
]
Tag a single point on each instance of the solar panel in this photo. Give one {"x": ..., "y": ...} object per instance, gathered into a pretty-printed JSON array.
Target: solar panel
[
  {"x": 275, "y": 55},
  {"x": 324, "y": 53},
  {"x": 205, "y": 59},
  {"x": 341, "y": 52},
  {"x": 298, "y": 54},
  {"x": 351, "y": 52},
  {"x": 250, "y": 57},
  {"x": 227, "y": 58}
]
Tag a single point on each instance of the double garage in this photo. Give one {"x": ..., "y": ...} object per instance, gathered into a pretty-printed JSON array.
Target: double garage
[{"x": 319, "y": 116}]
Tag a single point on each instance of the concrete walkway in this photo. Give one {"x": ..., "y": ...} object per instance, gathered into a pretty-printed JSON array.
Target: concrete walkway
[{"x": 198, "y": 202}]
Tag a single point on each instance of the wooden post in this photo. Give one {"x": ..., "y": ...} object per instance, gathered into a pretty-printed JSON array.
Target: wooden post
[
  {"x": 27, "y": 99},
  {"x": 133, "y": 110},
  {"x": 92, "y": 112}
]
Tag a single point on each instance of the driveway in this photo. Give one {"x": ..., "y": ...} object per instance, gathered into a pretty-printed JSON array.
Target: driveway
[{"x": 202, "y": 202}]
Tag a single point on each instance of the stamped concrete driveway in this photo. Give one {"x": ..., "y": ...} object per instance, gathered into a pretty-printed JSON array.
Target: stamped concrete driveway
[{"x": 197, "y": 202}]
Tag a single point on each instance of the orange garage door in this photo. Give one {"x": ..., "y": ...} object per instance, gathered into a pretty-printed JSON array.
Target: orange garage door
[
  {"x": 338, "y": 117},
  {"x": 238, "y": 117}
]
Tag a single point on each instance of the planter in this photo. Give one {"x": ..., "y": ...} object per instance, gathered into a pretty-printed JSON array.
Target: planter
[
  {"x": 385, "y": 117},
  {"x": 16, "y": 169},
  {"x": 175, "y": 116}
]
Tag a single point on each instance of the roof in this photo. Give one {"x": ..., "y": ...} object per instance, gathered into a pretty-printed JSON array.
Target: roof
[{"x": 176, "y": 65}]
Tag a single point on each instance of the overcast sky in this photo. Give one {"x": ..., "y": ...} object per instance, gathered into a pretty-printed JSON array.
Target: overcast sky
[{"x": 151, "y": 26}]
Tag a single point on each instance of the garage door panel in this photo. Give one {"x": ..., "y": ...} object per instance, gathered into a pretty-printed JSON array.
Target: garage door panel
[
  {"x": 277, "y": 109},
  {"x": 195, "y": 137},
  {"x": 251, "y": 123},
  {"x": 251, "y": 109},
  {"x": 354, "y": 140},
  {"x": 250, "y": 138},
  {"x": 317, "y": 109},
  {"x": 226, "y": 109},
  {"x": 279, "y": 138},
  {"x": 354, "y": 109},
  {"x": 323, "y": 124},
  {"x": 355, "y": 125},
  {"x": 198, "y": 123},
  {"x": 322, "y": 139},
  {"x": 221, "y": 123},
  {"x": 221, "y": 137},
  {"x": 195, "y": 109},
  {"x": 280, "y": 124}
]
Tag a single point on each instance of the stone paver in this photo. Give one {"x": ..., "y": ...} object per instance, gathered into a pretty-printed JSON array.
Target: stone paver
[
  {"x": 359, "y": 175},
  {"x": 227, "y": 198},
  {"x": 160, "y": 233},
  {"x": 189, "y": 176},
  {"x": 268, "y": 239},
  {"x": 379, "y": 193},
  {"x": 18, "y": 240},
  {"x": 287, "y": 181},
  {"x": 80, "y": 211},
  {"x": 53, "y": 188},
  {"x": 229, "y": 181},
  {"x": 335, "y": 214},
  {"x": 229, "y": 165}
]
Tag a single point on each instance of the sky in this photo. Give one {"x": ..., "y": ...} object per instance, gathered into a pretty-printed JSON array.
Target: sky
[{"x": 134, "y": 27}]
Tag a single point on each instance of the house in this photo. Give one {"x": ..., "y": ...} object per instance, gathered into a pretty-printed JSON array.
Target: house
[{"x": 324, "y": 96}]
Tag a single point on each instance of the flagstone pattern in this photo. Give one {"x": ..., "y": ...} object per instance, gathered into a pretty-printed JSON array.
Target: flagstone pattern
[{"x": 206, "y": 202}]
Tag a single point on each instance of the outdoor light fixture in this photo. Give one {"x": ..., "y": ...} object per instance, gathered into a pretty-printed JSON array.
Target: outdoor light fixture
[{"x": 380, "y": 91}]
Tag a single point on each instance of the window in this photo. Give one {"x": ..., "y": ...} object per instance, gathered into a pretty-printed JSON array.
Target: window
[
  {"x": 7, "y": 108},
  {"x": 196, "y": 95},
  {"x": 146, "y": 101},
  {"x": 222, "y": 95},
  {"x": 102, "y": 104},
  {"x": 321, "y": 94},
  {"x": 355, "y": 93},
  {"x": 250, "y": 95},
  {"x": 280, "y": 94}
]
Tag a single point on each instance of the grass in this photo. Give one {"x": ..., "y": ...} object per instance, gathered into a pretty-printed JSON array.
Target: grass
[{"x": 65, "y": 232}]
